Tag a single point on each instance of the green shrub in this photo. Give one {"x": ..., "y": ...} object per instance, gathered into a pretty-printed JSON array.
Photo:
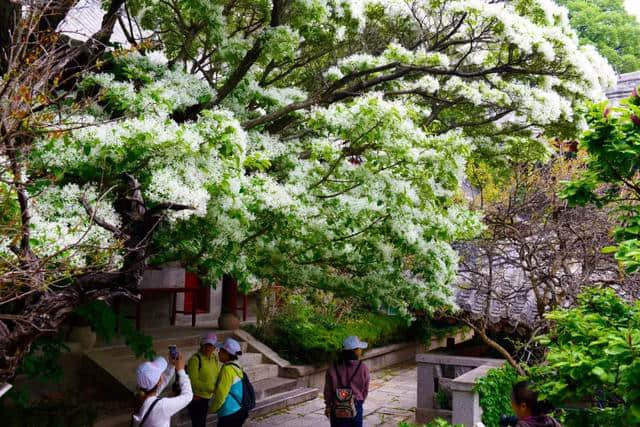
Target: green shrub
[
  {"x": 495, "y": 394},
  {"x": 443, "y": 400},
  {"x": 309, "y": 327},
  {"x": 103, "y": 322},
  {"x": 306, "y": 332},
  {"x": 593, "y": 359}
]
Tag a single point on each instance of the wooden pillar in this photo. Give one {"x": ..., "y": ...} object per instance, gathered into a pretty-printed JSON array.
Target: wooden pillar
[
  {"x": 229, "y": 294},
  {"x": 228, "y": 319}
]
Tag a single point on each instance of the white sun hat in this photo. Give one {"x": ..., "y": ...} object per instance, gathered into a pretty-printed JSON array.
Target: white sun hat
[
  {"x": 231, "y": 346},
  {"x": 352, "y": 342},
  {"x": 210, "y": 338},
  {"x": 148, "y": 373}
]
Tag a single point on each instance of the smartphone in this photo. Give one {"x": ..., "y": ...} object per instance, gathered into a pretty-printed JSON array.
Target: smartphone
[{"x": 173, "y": 352}]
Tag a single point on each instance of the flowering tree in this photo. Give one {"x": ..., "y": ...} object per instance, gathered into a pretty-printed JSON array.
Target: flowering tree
[{"x": 316, "y": 143}]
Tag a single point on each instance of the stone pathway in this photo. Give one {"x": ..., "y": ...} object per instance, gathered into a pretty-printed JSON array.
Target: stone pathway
[{"x": 392, "y": 399}]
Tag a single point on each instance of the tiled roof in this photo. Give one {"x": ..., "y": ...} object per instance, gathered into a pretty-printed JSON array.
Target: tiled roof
[{"x": 85, "y": 20}]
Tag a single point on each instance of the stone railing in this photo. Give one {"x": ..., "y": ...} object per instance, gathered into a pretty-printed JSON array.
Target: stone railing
[{"x": 465, "y": 402}]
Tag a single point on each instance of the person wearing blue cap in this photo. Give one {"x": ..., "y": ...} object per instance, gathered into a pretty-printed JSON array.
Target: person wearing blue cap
[
  {"x": 228, "y": 393},
  {"x": 347, "y": 385}
]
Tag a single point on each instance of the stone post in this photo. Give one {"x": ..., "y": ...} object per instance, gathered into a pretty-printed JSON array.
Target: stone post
[
  {"x": 426, "y": 385},
  {"x": 465, "y": 404},
  {"x": 465, "y": 401}
]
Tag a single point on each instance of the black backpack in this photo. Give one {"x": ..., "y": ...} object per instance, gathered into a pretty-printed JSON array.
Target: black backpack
[{"x": 248, "y": 392}]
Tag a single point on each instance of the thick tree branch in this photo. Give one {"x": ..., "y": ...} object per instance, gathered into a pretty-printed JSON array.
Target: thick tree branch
[
  {"x": 251, "y": 56},
  {"x": 98, "y": 220}
]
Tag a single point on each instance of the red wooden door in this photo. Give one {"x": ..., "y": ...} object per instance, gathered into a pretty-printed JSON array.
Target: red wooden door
[{"x": 201, "y": 298}]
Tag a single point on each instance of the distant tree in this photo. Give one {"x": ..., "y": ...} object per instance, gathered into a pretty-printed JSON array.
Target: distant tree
[
  {"x": 607, "y": 25},
  {"x": 537, "y": 254}
]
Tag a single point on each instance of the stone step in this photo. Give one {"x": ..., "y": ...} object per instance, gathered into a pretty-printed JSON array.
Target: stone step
[
  {"x": 270, "y": 386},
  {"x": 283, "y": 400},
  {"x": 261, "y": 371},
  {"x": 263, "y": 406},
  {"x": 124, "y": 370},
  {"x": 250, "y": 359},
  {"x": 160, "y": 346}
]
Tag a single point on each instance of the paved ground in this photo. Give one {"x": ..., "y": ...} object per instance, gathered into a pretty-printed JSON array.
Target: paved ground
[{"x": 392, "y": 398}]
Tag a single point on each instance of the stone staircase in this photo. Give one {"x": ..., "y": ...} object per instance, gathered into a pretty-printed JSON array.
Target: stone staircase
[{"x": 117, "y": 364}]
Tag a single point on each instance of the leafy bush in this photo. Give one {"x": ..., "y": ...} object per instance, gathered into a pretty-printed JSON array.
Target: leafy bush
[
  {"x": 495, "y": 393},
  {"x": 593, "y": 359},
  {"x": 306, "y": 331},
  {"x": 103, "y": 321},
  {"x": 308, "y": 327},
  {"x": 443, "y": 400},
  {"x": 611, "y": 176}
]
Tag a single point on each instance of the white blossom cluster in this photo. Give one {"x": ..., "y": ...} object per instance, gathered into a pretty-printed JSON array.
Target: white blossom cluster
[
  {"x": 62, "y": 228},
  {"x": 360, "y": 195}
]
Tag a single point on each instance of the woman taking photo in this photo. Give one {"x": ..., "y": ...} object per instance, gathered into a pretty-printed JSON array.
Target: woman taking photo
[
  {"x": 152, "y": 378},
  {"x": 347, "y": 385}
]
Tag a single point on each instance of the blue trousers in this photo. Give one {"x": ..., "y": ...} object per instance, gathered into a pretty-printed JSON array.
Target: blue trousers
[{"x": 353, "y": 422}]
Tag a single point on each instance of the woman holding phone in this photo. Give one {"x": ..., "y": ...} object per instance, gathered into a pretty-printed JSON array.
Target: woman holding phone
[{"x": 152, "y": 377}]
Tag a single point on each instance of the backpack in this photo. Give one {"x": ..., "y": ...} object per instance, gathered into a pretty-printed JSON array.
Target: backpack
[
  {"x": 175, "y": 388},
  {"x": 345, "y": 404},
  {"x": 248, "y": 401}
]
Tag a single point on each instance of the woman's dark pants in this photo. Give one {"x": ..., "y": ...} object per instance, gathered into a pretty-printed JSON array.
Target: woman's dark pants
[
  {"x": 198, "y": 409},
  {"x": 233, "y": 420}
]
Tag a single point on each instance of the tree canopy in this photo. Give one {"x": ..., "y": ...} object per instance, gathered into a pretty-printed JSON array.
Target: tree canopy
[
  {"x": 313, "y": 143},
  {"x": 610, "y": 28}
]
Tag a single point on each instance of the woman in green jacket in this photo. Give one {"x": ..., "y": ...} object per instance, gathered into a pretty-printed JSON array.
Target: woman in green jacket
[
  {"x": 203, "y": 369},
  {"x": 227, "y": 397}
]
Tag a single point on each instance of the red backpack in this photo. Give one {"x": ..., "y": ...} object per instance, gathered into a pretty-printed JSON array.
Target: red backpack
[{"x": 345, "y": 403}]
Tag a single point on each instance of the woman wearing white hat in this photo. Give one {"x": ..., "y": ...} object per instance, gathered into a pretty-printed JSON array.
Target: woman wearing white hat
[
  {"x": 347, "y": 385},
  {"x": 228, "y": 393},
  {"x": 152, "y": 378},
  {"x": 203, "y": 368}
]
